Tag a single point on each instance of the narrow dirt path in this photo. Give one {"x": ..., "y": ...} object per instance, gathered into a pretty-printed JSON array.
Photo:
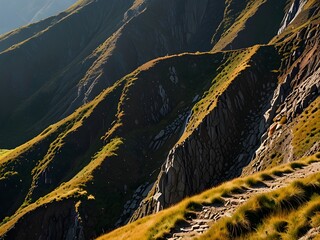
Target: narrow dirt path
[{"x": 209, "y": 214}]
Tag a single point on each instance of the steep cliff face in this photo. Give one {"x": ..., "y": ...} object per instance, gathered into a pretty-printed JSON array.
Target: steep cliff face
[
  {"x": 102, "y": 155},
  {"x": 238, "y": 131},
  {"x": 221, "y": 142},
  {"x": 294, "y": 114}
]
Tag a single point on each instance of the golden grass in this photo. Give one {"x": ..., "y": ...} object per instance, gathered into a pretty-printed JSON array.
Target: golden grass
[
  {"x": 289, "y": 225},
  {"x": 238, "y": 25},
  {"x": 65, "y": 126},
  {"x": 237, "y": 62},
  {"x": 307, "y": 130},
  {"x": 3, "y": 152},
  {"x": 273, "y": 214},
  {"x": 158, "y": 225},
  {"x": 151, "y": 227},
  {"x": 75, "y": 186},
  {"x": 71, "y": 189}
]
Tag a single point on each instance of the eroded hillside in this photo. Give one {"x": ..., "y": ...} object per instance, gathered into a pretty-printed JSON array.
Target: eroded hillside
[
  {"x": 246, "y": 100},
  {"x": 72, "y": 57}
]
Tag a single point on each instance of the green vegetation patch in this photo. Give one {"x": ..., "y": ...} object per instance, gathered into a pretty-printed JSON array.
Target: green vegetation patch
[{"x": 307, "y": 131}]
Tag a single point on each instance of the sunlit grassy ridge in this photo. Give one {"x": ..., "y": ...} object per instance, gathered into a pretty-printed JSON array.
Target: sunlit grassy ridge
[
  {"x": 239, "y": 24},
  {"x": 307, "y": 130},
  {"x": 69, "y": 148},
  {"x": 278, "y": 201},
  {"x": 235, "y": 65},
  {"x": 74, "y": 189},
  {"x": 3, "y": 152},
  {"x": 236, "y": 62},
  {"x": 241, "y": 21},
  {"x": 20, "y": 167},
  {"x": 291, "y": 226}
]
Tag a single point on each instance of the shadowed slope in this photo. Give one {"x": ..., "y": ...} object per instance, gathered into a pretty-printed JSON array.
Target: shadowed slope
[{"x": 59, "y": 64}]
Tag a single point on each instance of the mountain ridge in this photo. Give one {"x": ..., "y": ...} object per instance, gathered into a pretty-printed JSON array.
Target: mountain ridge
[
  {"x": 173, "y": 127},
  {"x": 15, "y": 15},
  {"x": 105, "y": 61}
]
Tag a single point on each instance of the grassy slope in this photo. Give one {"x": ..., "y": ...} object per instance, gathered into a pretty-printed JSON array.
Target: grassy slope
[
  {"x": 110, "y": 117},
  {"x": 3, "y": 152},
  {"x": 86, "y": 132},
  {"x": 74, "y": 189},
  {"x": 156, "y": 226},
  {"x": 38, "y": 91},
  {"x": 56, "y": 137},
  {"x": 247, "y": 19},
  {"x": 286, "y": 213},
  {"x": 26, "y": 167},
  {"x": 236, "y": 62},
  {"x": 306, "y": 130},
  {"x": 239, "y": 24}
]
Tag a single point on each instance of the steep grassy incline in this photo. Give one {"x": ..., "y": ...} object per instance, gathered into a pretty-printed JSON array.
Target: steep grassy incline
[
  {"x": 266, "y": 205},
  {"x": 40, "y": 69},
  {"x": 174, "y": 127},
  {"x": 98, "y": 42},
  {"x": 222, "y": 131},
  {"x": 93, "y": 161},
  {"x": 244, "y": 23},
  {"x": 33, "y": 172}
]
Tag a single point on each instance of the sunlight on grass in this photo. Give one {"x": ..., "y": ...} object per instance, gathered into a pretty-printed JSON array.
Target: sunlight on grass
[{"x": 246, "y": 217}]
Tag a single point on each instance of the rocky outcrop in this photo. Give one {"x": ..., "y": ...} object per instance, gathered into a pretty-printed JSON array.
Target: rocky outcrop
[
  {"x": 133, "y": 203},
  {"x": 107, "y": 40},
  {"x": 292, "y": 13},
  {"x": 54, "y": 221},
  {"x": 299, "y": 88},
  {"x": 225, "y": 103},
  {"x": 222, "y": 144}
]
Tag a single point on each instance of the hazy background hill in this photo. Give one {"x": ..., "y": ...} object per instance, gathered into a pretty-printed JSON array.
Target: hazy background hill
[{"x": 14, "y": 14}]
